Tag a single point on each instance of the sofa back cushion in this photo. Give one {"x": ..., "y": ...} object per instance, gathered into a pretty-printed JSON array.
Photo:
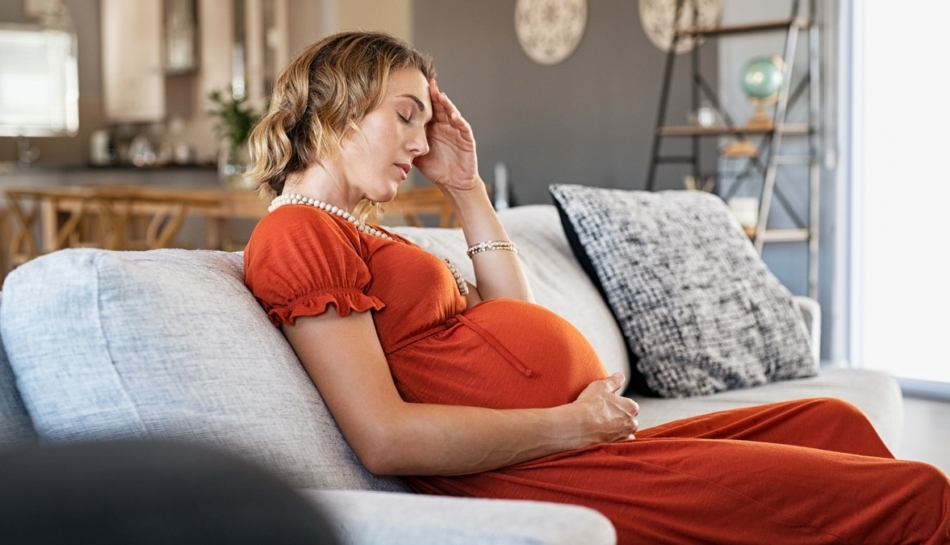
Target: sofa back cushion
[
  {"x": 15, "y": 426},
  {"x": 168, "y": 344}
]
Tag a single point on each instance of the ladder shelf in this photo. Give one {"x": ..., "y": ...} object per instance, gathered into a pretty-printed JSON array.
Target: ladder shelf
[{"x": 765, "y": 159}]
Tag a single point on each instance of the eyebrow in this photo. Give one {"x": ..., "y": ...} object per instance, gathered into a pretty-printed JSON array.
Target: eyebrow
[{"x": 419, "y": 104}]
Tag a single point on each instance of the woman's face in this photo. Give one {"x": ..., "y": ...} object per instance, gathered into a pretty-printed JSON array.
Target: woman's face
[{"x": 377, "y": 159}]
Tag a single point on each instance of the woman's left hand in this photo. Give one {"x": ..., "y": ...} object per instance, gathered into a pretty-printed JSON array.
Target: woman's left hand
[{"x": 451, "y": 162}]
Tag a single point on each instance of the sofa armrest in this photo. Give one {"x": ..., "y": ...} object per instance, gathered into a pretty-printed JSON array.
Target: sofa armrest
[
  {"x": 811, "y": 312},
  {"x": 391, "y": 518}
]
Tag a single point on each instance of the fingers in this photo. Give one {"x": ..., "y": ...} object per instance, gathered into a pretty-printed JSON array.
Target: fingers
[
  {"x": 438, "y": 108},
  {"x": 626, "y": 413},
  {"x": 444, "y": 110},
  {"x": 612, "y": 384},
  {"x": 628, "y": 406},
  {"x": 441, "y": 105},
  {"x": 612, "y": 417},
  {"x": 615, "y": 381},
  {"x": 633, "y": 410}
]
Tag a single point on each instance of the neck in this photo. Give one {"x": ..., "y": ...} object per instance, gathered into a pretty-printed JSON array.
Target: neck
[{"x": 323, "y": 184}]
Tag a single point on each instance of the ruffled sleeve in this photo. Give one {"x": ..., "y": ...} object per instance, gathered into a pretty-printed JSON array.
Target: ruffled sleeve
[{"x": 300, "y": 260}]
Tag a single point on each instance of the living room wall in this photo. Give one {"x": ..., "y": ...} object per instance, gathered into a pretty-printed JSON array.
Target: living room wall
[{"x": 587, "y": 120}]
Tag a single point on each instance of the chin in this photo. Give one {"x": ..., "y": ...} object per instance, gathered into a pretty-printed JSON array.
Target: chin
[{"x": 384, "y": 196}]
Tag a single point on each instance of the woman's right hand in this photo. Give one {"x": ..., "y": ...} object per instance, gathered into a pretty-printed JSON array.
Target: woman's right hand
[
  {"x": 451, "y": 162},
  {"x": 607, "y": 416}
]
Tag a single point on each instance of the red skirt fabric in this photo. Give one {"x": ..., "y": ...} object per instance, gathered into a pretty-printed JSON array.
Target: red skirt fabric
[{"x": 809, "y": 471}]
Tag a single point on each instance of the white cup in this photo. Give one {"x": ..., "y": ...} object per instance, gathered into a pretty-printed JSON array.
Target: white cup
[
  {"x": 746, "y": 210},
  {"x": 99, "y": 153}
]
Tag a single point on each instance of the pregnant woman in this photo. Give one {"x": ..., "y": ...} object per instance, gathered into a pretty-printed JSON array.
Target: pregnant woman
[{"x": 473, "y": 390}]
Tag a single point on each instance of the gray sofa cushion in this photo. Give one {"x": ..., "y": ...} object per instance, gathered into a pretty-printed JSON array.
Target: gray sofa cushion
[
  {"x": 15, "y": 426},
  {"x": 168, "y": 343}
]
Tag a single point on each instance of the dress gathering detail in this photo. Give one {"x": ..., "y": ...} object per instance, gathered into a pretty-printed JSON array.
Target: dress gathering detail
[{"x": 794, "y": 472}]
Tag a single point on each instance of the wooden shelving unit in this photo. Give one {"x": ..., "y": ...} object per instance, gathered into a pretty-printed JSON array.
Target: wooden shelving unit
[{"x": 766, "y": 156}]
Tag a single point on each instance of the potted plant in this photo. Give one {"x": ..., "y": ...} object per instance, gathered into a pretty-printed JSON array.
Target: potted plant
[{"x": 235, "y": 119}]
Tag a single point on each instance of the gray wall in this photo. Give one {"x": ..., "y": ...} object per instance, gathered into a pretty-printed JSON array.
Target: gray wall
[{"x": 587, "y": 120}]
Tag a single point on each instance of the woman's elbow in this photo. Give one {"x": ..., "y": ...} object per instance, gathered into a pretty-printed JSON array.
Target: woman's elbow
[
  {"x": 377, "y": 452},
  {"x": 378, "y": 463}
]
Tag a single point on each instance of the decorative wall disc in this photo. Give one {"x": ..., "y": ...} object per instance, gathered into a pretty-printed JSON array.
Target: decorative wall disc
[
  {"x": 550, "y": 30},
  {"x": 656, "y": 16}
]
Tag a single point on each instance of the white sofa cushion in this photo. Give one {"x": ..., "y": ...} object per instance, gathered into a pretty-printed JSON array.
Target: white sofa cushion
[
  {"x": 876, "y": 393},
  {"x": 168, "y": 343}
]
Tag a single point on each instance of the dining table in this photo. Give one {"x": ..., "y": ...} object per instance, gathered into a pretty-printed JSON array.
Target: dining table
[
  {"x": 120, "y": 217},
  {"x": 151, "y": 216}
]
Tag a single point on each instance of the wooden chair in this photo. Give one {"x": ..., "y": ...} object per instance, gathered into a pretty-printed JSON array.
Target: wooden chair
[
  {"x": 146, "y": 218},
  {"x": 113, "y": 217},
  {"x": 413, "y": 202}
]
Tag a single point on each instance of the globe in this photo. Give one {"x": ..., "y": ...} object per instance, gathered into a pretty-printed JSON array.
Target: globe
[{"x": 762, "y": 78}]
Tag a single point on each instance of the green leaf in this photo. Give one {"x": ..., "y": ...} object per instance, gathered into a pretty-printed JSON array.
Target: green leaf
[{"x": 235, "y": 120}]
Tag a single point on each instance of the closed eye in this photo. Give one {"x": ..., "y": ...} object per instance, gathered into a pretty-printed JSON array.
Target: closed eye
[{"x": 420, "y": 107}]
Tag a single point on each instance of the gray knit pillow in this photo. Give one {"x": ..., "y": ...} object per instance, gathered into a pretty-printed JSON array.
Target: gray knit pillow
[{"x": 699, "y": 309}]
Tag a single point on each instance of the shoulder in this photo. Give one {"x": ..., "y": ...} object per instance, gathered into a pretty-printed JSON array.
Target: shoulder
[
  {"x": 300, "y": 238},
  {"x": 291, "y": 228},
  {"x": 300, "y": 218},
  {"x": 301, "y": 259}
]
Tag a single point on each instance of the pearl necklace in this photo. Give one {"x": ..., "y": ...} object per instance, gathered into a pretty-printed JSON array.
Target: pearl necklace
[{"x": 293, "y": 198}]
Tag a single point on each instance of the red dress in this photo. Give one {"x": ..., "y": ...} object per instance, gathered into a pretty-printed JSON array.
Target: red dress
[{"x": 810, "y": 471}]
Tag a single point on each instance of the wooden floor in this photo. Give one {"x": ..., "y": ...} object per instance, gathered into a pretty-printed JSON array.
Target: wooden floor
[{"x": 926, "y": 432}]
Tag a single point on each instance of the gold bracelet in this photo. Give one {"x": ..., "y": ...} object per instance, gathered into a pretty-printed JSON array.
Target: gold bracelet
[{"x": 489, "y": 245}]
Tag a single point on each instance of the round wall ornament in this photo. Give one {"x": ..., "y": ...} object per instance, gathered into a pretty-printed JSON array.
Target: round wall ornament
[
  {"x": 550, "y": 30},
  {"x": 656, "y": 16}
]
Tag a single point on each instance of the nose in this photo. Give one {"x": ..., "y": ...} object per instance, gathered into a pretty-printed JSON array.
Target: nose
[{"x": 419, "y": 142}]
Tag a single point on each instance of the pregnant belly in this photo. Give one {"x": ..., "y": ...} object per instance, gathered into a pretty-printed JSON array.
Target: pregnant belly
[{"x": 502, "y": 353}]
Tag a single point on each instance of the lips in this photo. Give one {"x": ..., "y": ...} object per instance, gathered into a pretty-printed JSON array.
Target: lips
[{"x": 406, "y": 167}]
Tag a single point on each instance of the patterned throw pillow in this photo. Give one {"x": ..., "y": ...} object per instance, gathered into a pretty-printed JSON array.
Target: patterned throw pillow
[{"x": 700, "y": 311}]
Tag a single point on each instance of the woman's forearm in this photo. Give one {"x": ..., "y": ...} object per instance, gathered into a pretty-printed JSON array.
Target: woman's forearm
[
  {"x": 346, "y": 362},
  {"x": 422, "y": 439},
  {"x": 449, "y": 440},
  {"x": 498, "y": 273}
]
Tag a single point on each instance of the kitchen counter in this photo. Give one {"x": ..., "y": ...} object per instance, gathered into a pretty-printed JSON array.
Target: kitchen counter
[{"x": 40, "y": 175}]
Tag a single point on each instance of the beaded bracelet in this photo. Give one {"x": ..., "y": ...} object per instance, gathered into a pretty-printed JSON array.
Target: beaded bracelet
[{"x": 489, "y": 245}]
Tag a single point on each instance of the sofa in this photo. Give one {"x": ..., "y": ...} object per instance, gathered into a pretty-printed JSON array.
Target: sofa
[{"x": 169, "y": 344}]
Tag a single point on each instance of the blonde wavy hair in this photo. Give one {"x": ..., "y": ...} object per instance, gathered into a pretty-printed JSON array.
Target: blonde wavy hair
[{"x": 320, "y": 97}]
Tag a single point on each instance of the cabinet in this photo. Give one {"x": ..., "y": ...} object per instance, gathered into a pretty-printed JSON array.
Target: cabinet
[
  {"x": 241, "y": 43},
  {"x": 776, "y": 155},
  {"x": 132, "y": 74}
]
